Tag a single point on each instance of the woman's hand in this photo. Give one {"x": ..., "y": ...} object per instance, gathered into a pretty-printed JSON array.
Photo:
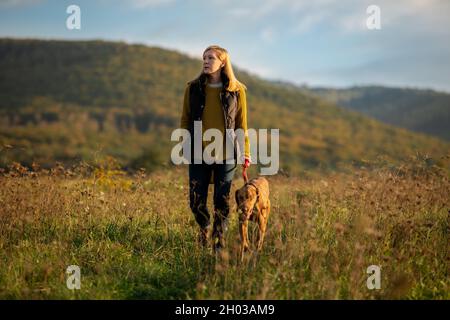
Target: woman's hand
[{"x": 246, "y": 163}]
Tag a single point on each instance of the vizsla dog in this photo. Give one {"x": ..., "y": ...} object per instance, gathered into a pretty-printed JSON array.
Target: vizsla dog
[{"x": 253, "y": 204}]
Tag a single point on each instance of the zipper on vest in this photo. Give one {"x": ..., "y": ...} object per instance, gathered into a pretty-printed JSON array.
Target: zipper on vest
[
  {"x": 225, "y": 116},
  {"x": 201, "y": 112}
]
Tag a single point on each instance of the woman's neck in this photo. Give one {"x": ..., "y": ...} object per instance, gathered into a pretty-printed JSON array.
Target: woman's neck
[{"x": 214, "y": 78}]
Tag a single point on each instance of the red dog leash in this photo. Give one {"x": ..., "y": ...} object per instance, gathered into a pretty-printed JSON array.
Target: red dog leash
[
  {"x": 244, "y": 174},
  {"x": 244, "y": 170}
]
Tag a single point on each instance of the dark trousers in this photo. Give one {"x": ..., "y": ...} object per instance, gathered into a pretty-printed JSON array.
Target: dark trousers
[{"x": 199, "y": 178}]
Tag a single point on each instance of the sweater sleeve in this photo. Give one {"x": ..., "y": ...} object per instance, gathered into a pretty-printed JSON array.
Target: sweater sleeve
[
  {"x": 241, "y": 120},
  {"x": 185, "y": 116}
]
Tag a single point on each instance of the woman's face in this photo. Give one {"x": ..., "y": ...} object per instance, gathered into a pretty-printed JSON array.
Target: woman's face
[{"x": 211, "y": 62}]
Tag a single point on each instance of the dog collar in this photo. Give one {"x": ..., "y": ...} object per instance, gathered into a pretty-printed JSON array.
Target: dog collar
[{"x": 257, "y": 190}]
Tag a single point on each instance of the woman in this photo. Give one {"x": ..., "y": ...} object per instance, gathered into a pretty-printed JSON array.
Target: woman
[{"x": 218, "y": 100}]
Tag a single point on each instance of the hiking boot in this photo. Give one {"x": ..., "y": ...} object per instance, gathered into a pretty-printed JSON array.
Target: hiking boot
[
  {"x": 219, "y": 244},
  {"x": 218, "y": 240}
]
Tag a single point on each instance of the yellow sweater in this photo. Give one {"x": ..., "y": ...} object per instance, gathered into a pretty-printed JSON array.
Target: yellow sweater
[{"x": 213, "y": 116}]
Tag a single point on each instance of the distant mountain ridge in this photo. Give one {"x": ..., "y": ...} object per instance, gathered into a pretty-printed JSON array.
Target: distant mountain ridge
[{"x": 426, "y": 111}]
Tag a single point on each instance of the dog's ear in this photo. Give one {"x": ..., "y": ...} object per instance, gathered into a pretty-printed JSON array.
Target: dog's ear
[{"x": 236, "y": 197}]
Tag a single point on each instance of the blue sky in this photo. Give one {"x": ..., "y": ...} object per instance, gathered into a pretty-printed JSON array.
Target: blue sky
[{"x": 318, "y": 43}]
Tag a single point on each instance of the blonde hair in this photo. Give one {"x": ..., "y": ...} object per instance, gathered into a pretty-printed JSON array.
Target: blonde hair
[{"x": 227, "y": 74}]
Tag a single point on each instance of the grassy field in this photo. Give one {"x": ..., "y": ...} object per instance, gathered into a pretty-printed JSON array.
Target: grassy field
[{"x": 134, "y": 237}]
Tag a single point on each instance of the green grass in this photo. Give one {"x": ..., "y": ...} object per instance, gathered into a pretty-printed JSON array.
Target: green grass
[{"x": 134, "y": 237}]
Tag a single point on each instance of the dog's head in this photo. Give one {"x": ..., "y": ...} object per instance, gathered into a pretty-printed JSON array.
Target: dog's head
[{"x": 246, "y": 199}]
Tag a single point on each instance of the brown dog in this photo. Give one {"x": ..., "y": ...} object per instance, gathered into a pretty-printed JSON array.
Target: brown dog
[{"x": 253, "y": 204}]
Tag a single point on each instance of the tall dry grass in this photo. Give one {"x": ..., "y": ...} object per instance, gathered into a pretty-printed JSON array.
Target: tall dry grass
[{"x": 134, "y": 236}]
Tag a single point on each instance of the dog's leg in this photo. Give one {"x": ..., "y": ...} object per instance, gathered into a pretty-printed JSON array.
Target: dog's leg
[
  {"x": 262, "y": 224},
  {"x": 243, "y": 228}
]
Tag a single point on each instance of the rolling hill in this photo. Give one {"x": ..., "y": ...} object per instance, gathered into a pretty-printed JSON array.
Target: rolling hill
[
  {"x": 81, "y": 100},
  {"x": 424, "y": 111}
]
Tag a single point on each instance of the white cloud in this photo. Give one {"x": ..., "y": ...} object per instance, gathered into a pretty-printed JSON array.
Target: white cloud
[
  {"x": 139, "y": 4},
  {"x": 268, "y": 35},
  {"x": 307, "y": 22},
  {"x": 18, "y": 3},
  {"x": 346, "y": 16},
  {"x": 253, "y": 10},
  {"x": 411, "y": 30}
]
